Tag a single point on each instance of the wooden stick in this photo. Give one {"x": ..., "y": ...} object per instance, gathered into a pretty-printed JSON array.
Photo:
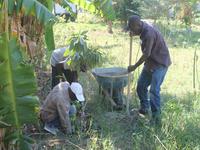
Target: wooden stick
[
  {"x": 160, "y": 142},
  {"x": 129, "y": 78},
  {"x": 194, "y": 69},
  {"x": 109, "y": 98}
]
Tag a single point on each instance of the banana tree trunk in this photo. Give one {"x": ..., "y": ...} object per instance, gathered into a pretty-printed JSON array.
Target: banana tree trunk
[
  {"x": 2, "y": 135},
  {"x": 29, "y": 33}
]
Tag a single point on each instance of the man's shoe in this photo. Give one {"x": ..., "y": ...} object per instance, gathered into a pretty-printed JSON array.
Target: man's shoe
[
  {"x": 143, "y": 111},
  {"x": 51, "y": 130},
  {"x": 118, "y": 107}
]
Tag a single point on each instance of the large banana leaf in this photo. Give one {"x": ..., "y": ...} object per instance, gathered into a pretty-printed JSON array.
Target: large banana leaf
[
  {"x": 49, "y": 35},
  {"x": 48, "y": 4},
  {"x": 33, "y": 7},
  {"x": 18, "y": 102},
  {"x": 49, "y": 38},
  {"x": 84, "y": 4},
  {"x": 107, "y": 9}
]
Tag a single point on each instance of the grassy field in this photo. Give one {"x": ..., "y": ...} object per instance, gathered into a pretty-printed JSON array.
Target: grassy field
[{"x": 113, "y": 130}]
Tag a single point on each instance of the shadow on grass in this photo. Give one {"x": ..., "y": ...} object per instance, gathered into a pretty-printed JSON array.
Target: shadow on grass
[{"x": 180, "y": 128}]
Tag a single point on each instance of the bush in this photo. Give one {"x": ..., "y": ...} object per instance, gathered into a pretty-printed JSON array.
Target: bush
[{"x": 81, "y": 54}]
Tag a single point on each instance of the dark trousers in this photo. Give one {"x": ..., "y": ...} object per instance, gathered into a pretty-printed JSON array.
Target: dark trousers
[{"x": 57, "y": 76}]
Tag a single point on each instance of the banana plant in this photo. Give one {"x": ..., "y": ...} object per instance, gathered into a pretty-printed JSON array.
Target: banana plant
[
  {"x": 18, "y": 104},
  {"x": 32, "y": 7},
  {"x": 42, "y": 12}
]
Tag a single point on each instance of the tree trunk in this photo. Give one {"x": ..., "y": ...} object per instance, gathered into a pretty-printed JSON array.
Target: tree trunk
[
  {"x": 110, "y": 26},
  {"x": 2, "y": 135}
]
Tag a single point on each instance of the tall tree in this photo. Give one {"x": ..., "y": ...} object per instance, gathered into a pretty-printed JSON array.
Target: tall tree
[{"x": 126, "y": 8}]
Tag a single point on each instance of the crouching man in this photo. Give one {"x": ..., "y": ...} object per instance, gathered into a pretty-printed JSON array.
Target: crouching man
[{"x": 57, "y": 108}]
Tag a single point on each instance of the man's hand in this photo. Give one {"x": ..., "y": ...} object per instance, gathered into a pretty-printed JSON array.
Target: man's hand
[
  {"x": 131, "y": 33},
  {"x": 131, "y": 68}
]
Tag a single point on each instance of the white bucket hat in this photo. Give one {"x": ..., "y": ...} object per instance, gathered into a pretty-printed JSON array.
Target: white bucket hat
[{"x": 77, "y": 90}]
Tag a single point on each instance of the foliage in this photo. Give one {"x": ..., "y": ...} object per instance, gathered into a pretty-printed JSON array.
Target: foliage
[
  {"x": 33, "y": 7},
  {"x": 102, "y": 7},
  {"x": 105, "y": 8},
  {"x": 81, "y": 54},
  {"x": 49, "y": 37},
  {"x": 67, "y": 6},
  {"x": 152, "y": 9},
  {"x": 17, "y": 82},
  {"x": 187, "y": 11},
  {"x": 184, "y": 10},
  {"x": 41, "y": 13},
  {"x": 124, "y": 9}
]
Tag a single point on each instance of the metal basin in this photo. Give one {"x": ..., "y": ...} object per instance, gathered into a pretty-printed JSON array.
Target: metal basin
[{"x": 114, "y": 78}]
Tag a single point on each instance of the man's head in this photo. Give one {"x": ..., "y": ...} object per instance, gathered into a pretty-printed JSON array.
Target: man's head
[
  {"x": 76, "y": 92},
  {"x": 134, "y": 25}
]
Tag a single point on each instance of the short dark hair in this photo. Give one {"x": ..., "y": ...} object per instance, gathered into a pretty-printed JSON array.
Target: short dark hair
[{"x": 133, "y": 19}]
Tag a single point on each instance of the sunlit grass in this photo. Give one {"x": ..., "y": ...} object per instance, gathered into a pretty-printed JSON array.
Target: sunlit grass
[{"x": 181, "y": 105}]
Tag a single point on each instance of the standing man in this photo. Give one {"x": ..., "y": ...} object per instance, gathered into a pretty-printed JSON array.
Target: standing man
[
  {"x": 156, "y": 59},
  {"x": 59, "y": 67}
]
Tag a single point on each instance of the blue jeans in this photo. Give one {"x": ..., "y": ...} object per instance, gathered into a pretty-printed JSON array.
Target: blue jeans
[{"x": 153, "y": 79}]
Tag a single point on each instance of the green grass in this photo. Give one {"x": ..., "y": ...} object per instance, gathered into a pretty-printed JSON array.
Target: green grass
[{"x": 180, "y": 103}]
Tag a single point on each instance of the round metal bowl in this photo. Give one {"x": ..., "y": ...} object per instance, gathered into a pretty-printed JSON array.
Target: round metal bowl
[{"x": 115, "y": 77}]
